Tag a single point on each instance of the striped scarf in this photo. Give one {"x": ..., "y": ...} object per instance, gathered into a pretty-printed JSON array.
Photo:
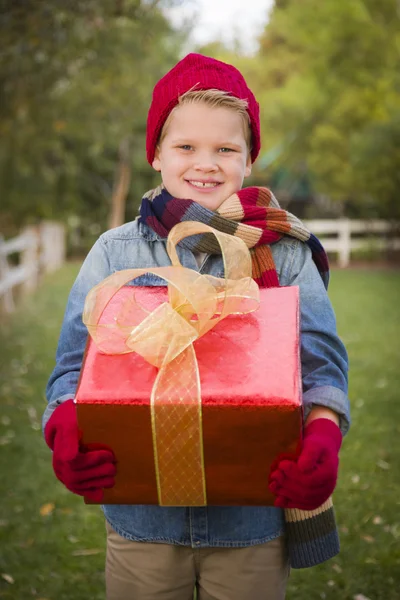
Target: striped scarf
[{"x": 252, "y": 214}]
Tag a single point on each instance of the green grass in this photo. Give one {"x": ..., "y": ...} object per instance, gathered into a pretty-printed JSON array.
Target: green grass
[
  {"x": 45, "y": 554},
  {"x": 367, "y": 498}
]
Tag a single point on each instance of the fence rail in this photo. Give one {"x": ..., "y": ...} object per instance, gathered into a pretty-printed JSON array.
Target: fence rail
[
  {"x": 377, "y": 235},
  {"x": 39, "y": 249}
]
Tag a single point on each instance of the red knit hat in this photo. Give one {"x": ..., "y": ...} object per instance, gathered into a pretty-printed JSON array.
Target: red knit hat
[{"x": 202, "y": 73}]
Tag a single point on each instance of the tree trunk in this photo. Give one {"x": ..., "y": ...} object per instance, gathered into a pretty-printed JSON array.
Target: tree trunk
[{"x": 121, "y": 186}]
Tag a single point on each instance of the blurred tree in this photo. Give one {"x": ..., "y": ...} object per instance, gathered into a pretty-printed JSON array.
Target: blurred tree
[
  {"x": 121, "y": 187},
  {"x": 77, "y": 78},
  {"x": 327, "y": 78}
]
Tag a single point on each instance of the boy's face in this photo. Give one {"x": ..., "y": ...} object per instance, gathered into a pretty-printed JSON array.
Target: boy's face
[{"x": 204, "y": 155}]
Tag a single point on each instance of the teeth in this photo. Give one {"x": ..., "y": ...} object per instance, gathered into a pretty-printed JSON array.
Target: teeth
[{"x": 200, "y": 184}]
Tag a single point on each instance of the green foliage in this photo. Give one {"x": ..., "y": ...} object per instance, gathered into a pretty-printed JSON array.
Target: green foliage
[
  {"x": 327, "y": 74},
  {"x": 77, "y": 79}
]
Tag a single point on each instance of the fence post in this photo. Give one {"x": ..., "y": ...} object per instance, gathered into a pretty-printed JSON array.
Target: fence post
[
  {"x": 40, "y": 249},
  {"x": 52, "y": 246},
  {"x": 29, "y": 258},
  {"x": 7, "y": 296},
  {"x": 344, "y": 238}
]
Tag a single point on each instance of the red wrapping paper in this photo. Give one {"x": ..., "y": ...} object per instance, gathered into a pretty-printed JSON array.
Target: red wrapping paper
[{"x": 251, "y": 402}]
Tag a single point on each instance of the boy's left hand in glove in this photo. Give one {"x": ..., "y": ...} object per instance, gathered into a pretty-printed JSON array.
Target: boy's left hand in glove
[{"x": 308, "y": 481}]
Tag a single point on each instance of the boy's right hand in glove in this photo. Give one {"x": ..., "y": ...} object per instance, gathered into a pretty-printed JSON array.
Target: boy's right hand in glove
[{"x": 83, "y": 472}]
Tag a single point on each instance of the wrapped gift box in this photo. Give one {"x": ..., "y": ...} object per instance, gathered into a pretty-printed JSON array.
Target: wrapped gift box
[{"x": 250, "y": 402}]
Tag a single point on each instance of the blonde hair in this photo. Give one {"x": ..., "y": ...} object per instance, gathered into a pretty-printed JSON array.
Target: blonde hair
[{"x": 215, "y": 99}]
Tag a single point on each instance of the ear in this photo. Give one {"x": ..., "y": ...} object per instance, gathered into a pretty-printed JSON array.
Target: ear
[
  {"x": 247, "y": 170},
  {"x": 156, "y": 164}
]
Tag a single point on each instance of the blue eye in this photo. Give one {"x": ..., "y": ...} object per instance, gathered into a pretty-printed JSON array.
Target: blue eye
[
  {"x": 185, "y": 147},
  {"x": 225, "y": 150}
]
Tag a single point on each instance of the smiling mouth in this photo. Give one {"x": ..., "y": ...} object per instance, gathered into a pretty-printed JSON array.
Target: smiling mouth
[{"x": 203, "y": 184}]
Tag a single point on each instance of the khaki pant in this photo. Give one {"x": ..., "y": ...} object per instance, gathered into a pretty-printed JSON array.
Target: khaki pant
[{"x": 147, "y": 571}]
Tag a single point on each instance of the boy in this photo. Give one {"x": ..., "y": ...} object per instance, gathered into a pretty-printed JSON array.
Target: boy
[{"x": 203, "y": 134}]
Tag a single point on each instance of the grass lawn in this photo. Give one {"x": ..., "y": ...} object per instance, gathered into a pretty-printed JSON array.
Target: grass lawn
[{"x": 52, "y": 545}]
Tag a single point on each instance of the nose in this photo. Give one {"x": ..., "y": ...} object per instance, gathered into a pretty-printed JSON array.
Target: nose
[{"x": 205, "y": 163}]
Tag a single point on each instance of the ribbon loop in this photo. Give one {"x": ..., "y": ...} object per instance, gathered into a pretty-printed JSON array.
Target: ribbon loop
[{"x": 161, "y": 336}]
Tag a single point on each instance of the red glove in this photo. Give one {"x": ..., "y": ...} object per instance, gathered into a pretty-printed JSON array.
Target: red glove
[
  {"x": 308, "y": 481},
  {"x": 83, "y": 472}
]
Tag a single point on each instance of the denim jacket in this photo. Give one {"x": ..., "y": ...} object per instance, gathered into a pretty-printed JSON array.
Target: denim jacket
[{"x": 324, "y": 377}]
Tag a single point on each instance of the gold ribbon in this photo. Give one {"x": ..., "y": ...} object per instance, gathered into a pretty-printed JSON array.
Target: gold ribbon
[{"x": 164, "y": 338}]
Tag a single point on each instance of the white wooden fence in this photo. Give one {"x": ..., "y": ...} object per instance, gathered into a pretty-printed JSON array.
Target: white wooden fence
[
  {"x": 350, "y": 235},
  {"x": 41, "y": 250}
]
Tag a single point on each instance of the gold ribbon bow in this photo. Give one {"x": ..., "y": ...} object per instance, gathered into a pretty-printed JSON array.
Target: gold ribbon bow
[{"x": 164, "y": 338}]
